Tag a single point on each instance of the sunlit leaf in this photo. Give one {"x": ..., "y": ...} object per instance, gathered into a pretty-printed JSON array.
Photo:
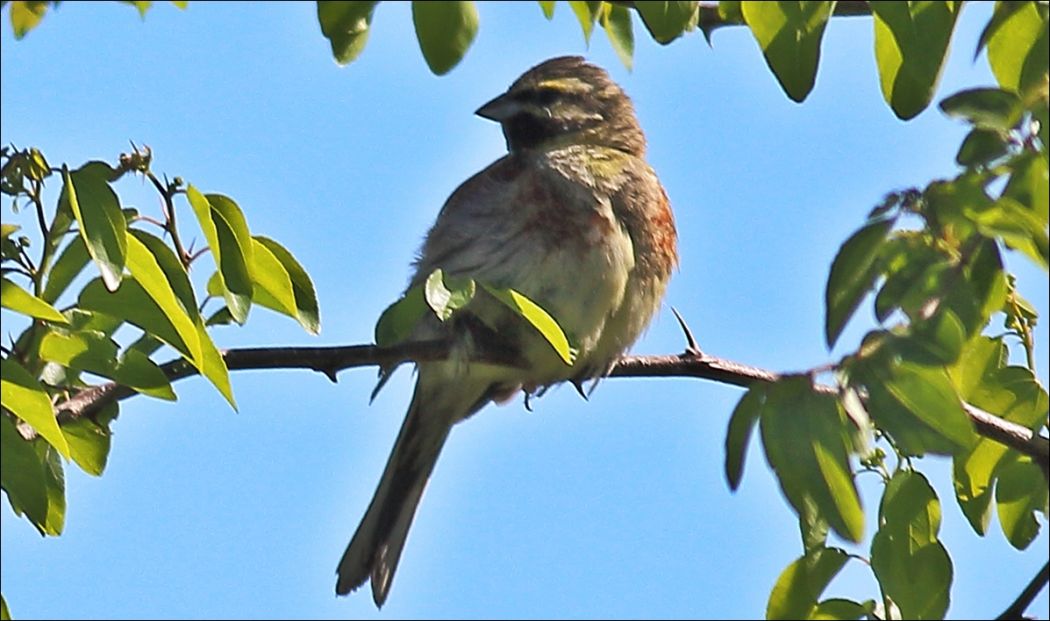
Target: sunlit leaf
[
  {"x": 445, "y": 30},
  {"x": 25, "y": 15},
  {"x": 852, "y": 275},
  {"x": 25, "y": 398},
  {"x": 789, "y": 34},
  {"x": 227, "y": 233},
  {"x": 911, "y": 43},
  {"x": 537, "y": 317},
  {"x": 1020, "y": 494},
  {"x": 616, "y": 20},
  {"x": 741, "y": 425},
  {"x": 306, "y": 307},
  {"x": 666, "y": 21},
  {"x": 915, "y": 573},
  {"x": 346, "y": 26},
  {"x": 800, "y": 585},
  {"x": 21, "y": 301},
  {"x": 1018, "y": 45},
  {"x": 102, "y": 227},
  {"x": 586, "y": 13}
]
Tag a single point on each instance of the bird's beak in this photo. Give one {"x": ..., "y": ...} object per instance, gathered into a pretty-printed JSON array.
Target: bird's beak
[{"x": 499, "y": 109}]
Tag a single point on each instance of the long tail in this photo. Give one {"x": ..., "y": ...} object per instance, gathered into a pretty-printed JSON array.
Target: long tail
[{"x": 437, "y": 403}]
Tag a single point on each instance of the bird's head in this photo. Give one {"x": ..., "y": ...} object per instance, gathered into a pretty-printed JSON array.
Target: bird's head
[{"x": 566, "y": 101}]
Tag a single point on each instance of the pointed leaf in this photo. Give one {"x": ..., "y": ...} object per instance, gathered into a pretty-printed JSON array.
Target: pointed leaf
[
  {"x": 400, "y": 318},
  {"x": 21, "y": 301},
  {"x": 911, "y": 44},
  {"x": 1017, "y": 39},
  {"x": 852, "y": 275},
  {"x": 445, "y": 30},
  {"x": 741, "y": 425},
  {"x": 616, "y": 20},
  {"x": 538, "y": 318},
  {"x": 306, "y": 307},
  {"x": 666, "y": 21},
  {"x": 102, "y": 227},
  {"x": 25, "y": 15},
  {"x": 67, "y": 267},
  {"x": 586, "y": 13},
  {"x": 800, "y": 585},
  {"x": 789, "y": 34},
  {"x": 25, "y": 398},
  {"x": 346, "y": 26},
  {"x": 1020, "y": 494},
  {"x": 227, "y": 233},
  {"x": 547, "y": 6}
]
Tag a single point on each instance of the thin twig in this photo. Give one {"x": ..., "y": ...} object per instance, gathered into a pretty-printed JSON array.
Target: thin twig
[{"x": 168, "y": 193}]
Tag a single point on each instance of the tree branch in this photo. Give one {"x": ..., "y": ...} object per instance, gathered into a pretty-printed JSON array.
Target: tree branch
[
  {"x": 331, "y": 360},
  {"x": 1024, "y": 600}
]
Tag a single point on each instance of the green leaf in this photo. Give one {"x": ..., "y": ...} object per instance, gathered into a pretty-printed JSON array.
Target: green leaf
[
  {"x": 22, "y": 474},
  {"x": 852, "y": 274},
  {"x": 206, "y": 358},
  {"x": 930, "y": 397},
  {"x": 1017, "y": 40},
  {"x": 231, "y": 246},
  {"x": 800, "y": 585},
  {"x": 789, "y": 34},
  {"x": 96, "y": 353},
  {"x": 5, "y": 613},
  {"x": 990, "y": 108},
  {"x": 836, "y": 608},
  {"x": 273, "y": 286},
  {"x": 7, "y": 230},
  {"x": 102, "y": 227},
  {"x": 346, "y": 26},
  {"x": 1028, "y": 185},
  {"x": 616, "y": 20},
  {"x": 21, "y": 301},
  {"x": 915, "y": 574},
  {"x": 67, "y": 267},
  {"x": 400, "y": 318},
  {"x": 445, "y": 31},
  {"x": 586, "y": 13},
  {"x": 146, "y": 269},
  {"x": 1018, "y": 227},
  {"x": 911, "y": 44},
  {"x": 910, "y": 508},
  {"x": 1019, "y": 495},
  {"x": 55, "y": 487},
  {"x": 981, "y": 147},
  {"x": 89, "y": 441},
  {"x": 803, "y": 433},
  {"x": 306, "y": 307},
  {"x": 666, "y": 21},
  {"x": 26, "y": 399},
  {"x": 537, "y": 317},
  {"x": 973, "y": 473},
  {"x": 143, "y": 6},
  {"x": 25, "y": 15},
  {"x": 447, "y": 294},
  {"x": 741, "y": 425},
  {"x": 547, "y": 6}
]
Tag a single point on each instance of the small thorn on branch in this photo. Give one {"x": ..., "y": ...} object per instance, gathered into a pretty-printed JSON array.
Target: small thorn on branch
[{"x": 691, "y": 348}]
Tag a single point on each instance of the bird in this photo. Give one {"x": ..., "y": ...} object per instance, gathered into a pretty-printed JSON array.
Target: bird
[{"x": 574, "y": 219}]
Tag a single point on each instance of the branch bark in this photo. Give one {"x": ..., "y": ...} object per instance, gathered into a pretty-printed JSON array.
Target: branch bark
[{"x": 331, "y": 360}]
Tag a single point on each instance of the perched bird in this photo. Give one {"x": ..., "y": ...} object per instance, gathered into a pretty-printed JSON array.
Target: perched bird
[{"x": 574, "y": 219}]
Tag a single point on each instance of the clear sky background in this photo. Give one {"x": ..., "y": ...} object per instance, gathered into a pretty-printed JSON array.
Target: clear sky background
[{"x": 615, "y": 507}]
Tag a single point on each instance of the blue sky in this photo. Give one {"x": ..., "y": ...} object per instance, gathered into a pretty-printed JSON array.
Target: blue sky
[{"x": 615, "y": 507}]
